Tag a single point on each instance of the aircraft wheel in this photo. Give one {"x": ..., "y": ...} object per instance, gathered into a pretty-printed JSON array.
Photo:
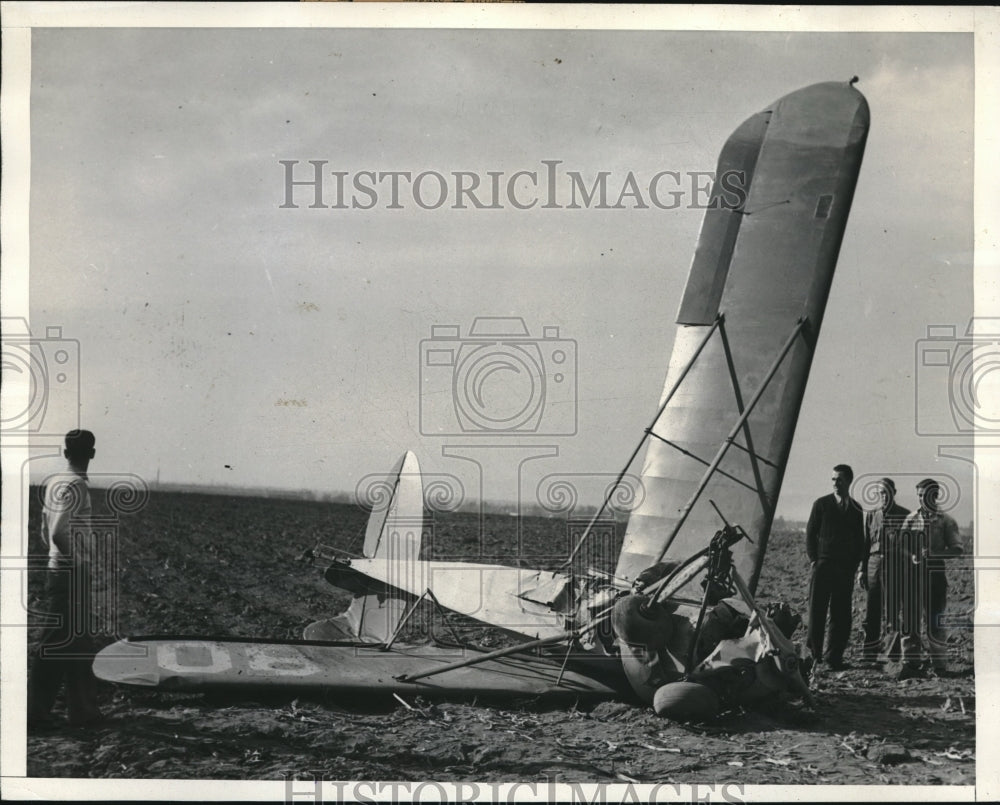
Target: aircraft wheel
[
  {"x": 686, "y": 701},
  {"x": 634, "y": 624}
]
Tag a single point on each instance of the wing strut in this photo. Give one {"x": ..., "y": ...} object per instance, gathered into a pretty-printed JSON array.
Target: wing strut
[
  {"x": 666, "y": 400},
  {"x": 569, "y": 636},
  {"x": 796, "y": 331},
  {"x": 480, "y": 658},
  {"x": 700, "y": 460},
  {"x": 755, "y": 459},
  {"x": 402, "y": 621},
  {"x": 758, "y": 480}
]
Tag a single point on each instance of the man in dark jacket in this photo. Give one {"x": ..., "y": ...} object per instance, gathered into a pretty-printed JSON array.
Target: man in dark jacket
[
  {"x": 835, "y": 541},
  {"x": 882, "y": 570}
]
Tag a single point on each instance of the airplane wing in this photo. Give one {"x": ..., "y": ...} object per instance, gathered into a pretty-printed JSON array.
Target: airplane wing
[
  {"x": 204, "y": 664},
  {"x": 747, "y": 327}
]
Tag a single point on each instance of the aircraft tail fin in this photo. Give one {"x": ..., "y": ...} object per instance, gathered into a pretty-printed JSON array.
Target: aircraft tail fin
[
  {"x": 396, "y": 523},
  {"x": 394, "y": 533}
]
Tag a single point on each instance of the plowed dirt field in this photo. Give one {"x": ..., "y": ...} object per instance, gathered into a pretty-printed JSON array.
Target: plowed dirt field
[{"x": 218, "y": 565}]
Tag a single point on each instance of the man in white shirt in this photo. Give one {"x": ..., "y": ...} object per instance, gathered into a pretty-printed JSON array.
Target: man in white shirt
[
  {"x": 934, "y": 536},
  {"x": 66, "y": 650},
  {"x": 881, "y": 568}
]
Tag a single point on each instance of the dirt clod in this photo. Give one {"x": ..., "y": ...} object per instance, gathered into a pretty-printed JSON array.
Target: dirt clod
[{"x": 889, "y": 754}]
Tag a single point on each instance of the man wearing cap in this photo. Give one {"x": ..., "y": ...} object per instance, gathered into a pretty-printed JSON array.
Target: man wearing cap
[
  {"x": 835, "y": 541},
  {"x": 67, "y": 646},
  {"x": 879, "y": 575},
  {"x": 934, "y": 537}
]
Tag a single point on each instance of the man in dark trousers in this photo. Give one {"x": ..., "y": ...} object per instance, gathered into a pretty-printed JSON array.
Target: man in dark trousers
[
  {"x": 835, "y": 539},
  {"x": 933, "y": 538},
  {"x": 880, "y": 574},
  {"x": 67, "y": 646}
]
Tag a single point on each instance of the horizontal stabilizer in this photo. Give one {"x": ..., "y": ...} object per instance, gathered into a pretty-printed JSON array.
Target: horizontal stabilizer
[{"x": 519, "y": 600}]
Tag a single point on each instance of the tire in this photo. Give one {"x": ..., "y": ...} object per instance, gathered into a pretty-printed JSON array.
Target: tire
[
  {"x": 686, "y": 701},
  {"x": 636, "y": 625}
]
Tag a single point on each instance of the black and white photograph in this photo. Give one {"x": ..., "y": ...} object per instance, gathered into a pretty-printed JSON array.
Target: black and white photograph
[{"x": 481, "y": 403}]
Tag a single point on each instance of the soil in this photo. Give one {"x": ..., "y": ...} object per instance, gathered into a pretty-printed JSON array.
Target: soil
[{"x": 219, "y": 565}]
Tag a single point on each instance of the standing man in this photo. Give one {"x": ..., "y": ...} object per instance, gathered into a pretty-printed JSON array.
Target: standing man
[
  {"x": 67, "y": 646},
  {"x": 934, "y": 536},
  {"x": 835, "y": 545},
  {"x": 879, "y": 575}
]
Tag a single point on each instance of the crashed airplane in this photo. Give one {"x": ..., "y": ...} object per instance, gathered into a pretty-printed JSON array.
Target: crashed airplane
[{"x": 676, "y": 625}]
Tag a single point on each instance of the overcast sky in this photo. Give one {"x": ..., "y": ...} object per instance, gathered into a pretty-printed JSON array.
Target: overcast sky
[{"x": 225, "y": 339}]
